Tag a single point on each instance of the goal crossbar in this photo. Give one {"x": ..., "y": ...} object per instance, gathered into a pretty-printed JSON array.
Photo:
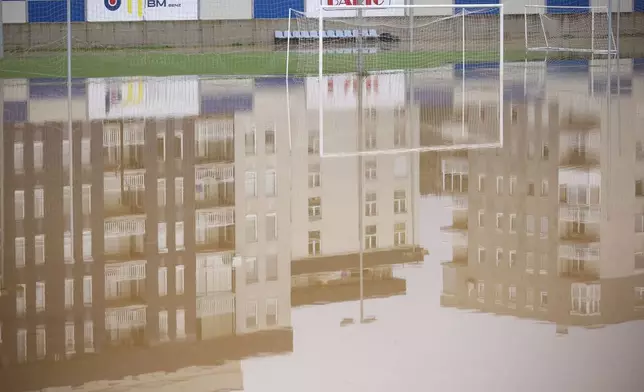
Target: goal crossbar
[{"x": 386, "y": 7}]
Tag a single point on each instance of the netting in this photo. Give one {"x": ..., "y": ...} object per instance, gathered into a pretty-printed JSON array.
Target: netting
[
  {"x": 376, "y": 71},
  {"x": 569, "y": 29},
  {"x": 397, "y": 39}
]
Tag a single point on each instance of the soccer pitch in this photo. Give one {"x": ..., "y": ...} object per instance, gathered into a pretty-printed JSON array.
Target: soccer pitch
[{"x": 159, "y": 63}]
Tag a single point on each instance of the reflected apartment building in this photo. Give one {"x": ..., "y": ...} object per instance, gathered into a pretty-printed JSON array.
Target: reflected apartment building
[
  {"x": 352, "y": 207},
  {"x": 143, "y": 249},
  {"x": 549, "y": 232}
]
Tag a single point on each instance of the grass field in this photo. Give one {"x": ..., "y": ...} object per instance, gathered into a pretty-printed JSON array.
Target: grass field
[{"x": 159, "y": 63}]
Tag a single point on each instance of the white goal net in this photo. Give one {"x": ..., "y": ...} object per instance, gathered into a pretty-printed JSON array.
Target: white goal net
[
  {"x": 359, "y": 60},
  {"x": 569, "y": 29}
]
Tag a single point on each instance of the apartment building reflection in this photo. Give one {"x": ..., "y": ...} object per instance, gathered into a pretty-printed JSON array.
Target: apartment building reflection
[
  {"x": 547, "y": 232},
  {"x": 143, "y": 249},
  {"x": 352, "y": 210}
]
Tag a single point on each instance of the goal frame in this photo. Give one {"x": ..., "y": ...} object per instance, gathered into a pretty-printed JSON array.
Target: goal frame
[
  {"x": 611, "y": 50},
  {"x": 326, "y": 10}
]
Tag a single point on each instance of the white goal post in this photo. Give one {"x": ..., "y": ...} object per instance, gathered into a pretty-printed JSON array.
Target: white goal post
[
  {"x": 573, "y": 29},
  {"x": 373, "y": 45}
]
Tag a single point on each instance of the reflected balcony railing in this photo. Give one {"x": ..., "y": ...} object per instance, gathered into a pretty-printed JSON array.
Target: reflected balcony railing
[
  {"x": 580, "y": 213},
  {"x": 574, "y": 252},
  {"x": 460, "y": 203},
  {"x": 125, "y": 226},
  {"x": 214, "y": 245},
  {"x": 125, "y": 317},
  {"x": 217, "y": 304},
  {"x": 215, "y": 217},
  {"x": 213, "y": 172},
  {"x": 125, "y": 253}
]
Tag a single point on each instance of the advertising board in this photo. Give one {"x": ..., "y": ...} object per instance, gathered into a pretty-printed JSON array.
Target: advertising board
[
  {"x": 142, "y": 98},
  {"x": 139, "y": 10},
  {"x": 313, "y": 8},
  {"x": 341, "y": 91}
]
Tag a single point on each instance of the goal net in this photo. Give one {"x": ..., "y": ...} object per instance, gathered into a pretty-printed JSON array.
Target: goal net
[
  {"x": 361, "y": 61},
  {"x": 569, "y": 29}
]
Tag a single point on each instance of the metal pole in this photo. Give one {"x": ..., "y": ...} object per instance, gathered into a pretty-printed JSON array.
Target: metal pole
[
  {"x": 3, "y": 185},
  {"x": 69, "y": 127},
  {"x": 1, "y": 33},
  {"x": 360, "y": 65},
  {"x": 361, "y": 179},
  {"x": 320, "y": 82},
  {"x": 610, "y": 28}
]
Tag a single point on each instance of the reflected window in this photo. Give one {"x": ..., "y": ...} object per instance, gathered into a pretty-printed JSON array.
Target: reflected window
[
  {"x": 252, "y": 274},
  {"x": 271, "y": 312},
  {"x": 315, "y": 208},
  {"x": 251, "y": 315},
  {"x": 315, "y": 243},
  {"x": 400, "y": 201},
  {"x": 251, "y": 228},
  {"x": 314, "y": 175},
  {"x": 250, "y": 142},
  {"x": 371, "y": 237},
  {"x": 269, "y": 141},
  {"x": 19, "y": 251},
  {"x": 370, "y": 204},
  {"x": 19, "y": 204},
  {"x": 271, "y": 267},
  {"x": 400, "y": 234},
  {"x": 371, "y": 170}
]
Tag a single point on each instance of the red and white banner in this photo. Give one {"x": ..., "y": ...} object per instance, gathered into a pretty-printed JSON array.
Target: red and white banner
[
  {"x": 312, "y": 8},
  {"x": 341, "y": 92}
]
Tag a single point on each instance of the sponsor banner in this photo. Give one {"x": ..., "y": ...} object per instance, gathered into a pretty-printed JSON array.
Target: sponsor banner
[
  {"x": 226, "y": 104},
  {"x": 226, "y": 10},
  {"x": 55, "y": 88},
  {"x": 341, "y": 91},
  {"x": 142, "y": 98},
  {"x": 14, "y": 12},
  {"x": 313, "y": 8},
  {"x": 138, "y": 10}
]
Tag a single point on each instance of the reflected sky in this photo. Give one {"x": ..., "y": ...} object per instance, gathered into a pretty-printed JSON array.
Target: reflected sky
[{"x": 216, "y": 237}]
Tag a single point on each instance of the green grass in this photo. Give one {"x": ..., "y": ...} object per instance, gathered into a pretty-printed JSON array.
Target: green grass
[{"x": 159, "y": 63}]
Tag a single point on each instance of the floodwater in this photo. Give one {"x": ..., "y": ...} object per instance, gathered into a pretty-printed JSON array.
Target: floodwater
[{"x": 217, "y": 236}]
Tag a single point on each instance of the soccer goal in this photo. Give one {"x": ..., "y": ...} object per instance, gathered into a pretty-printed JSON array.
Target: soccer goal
[
  {"x": 569, "y": 29},
  {"x": 357, "y": 59}
]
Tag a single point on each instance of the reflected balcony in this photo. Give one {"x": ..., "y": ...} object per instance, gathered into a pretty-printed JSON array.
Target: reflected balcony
[
  {"x": 214, "y": 239},
  {"x": 117, "y": 159},
  {"x": 579, "y": 234},
  {"x": 124, "y": 248},
  {"x": 459, "y": 222},
  {"x": 580, "y": 157},
  {"x": 578, "y": 270},
  {"x": 579, "y": 123},
  {"x": 214, "y": 194},
  {"x": 120, "y": 292},
  {"x": 460, "y": 203},
  {"x": 212, "y": 151}
]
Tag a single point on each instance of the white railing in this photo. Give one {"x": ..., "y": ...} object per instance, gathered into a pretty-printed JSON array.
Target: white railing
[
  {"x": 217, "y": 217},
  {"x": 133, "y": 180},
  {"x": 455, "y": 165},
  {"x": 131, "y": 270},
  {"x": 459, "y": 203},
  {"x": 219, "y": 173},
  {"x": 214, "y": 305},
  {"x": 124, "y": 226},
  {"x": 572, "y": 252},
  {"x": 132, "y": 135},
  {"x": 125, "y": 317},
  {"x": 214, "y": 129},
  {"x": 580, "y": 213}
]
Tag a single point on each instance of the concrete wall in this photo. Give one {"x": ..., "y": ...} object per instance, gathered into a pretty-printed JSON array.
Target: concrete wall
[{"x": 239, "y": 33}]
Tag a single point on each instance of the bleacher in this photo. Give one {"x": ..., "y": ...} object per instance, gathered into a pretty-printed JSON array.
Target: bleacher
[{"x": 327, "y": 35}]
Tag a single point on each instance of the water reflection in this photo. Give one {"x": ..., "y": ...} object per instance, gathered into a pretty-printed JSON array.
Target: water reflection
[
  {"x": 202, "y": 227},
  {"x": 174, "y": 242},
  {"x": 542, "y": 228}
]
